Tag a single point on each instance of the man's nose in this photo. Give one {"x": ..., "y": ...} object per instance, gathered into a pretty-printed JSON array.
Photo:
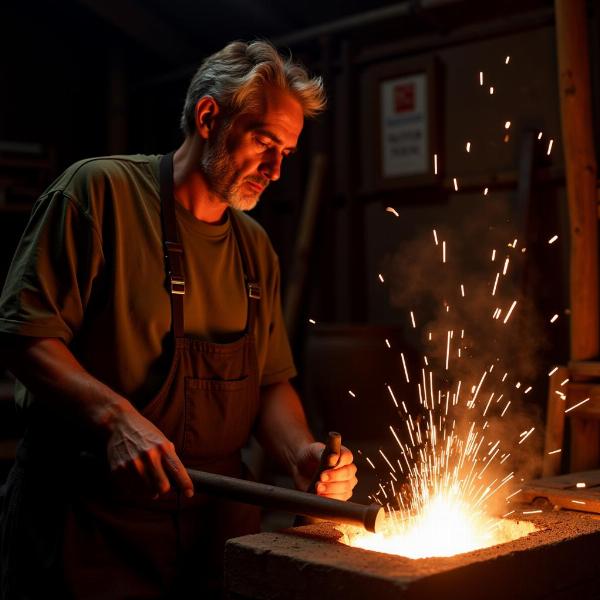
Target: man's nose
[{"x": 271, "y": 166}]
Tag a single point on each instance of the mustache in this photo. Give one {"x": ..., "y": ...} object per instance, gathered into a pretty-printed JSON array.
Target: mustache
[{"x": 262, "y": 181}]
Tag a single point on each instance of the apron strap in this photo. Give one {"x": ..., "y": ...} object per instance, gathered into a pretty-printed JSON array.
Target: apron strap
[
  {"x": 172, "y": 246},
  {"x": 252, "y": 284}
]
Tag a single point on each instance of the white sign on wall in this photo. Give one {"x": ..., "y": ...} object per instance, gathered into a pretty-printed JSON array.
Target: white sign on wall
[{"x": 404, "y": 127}]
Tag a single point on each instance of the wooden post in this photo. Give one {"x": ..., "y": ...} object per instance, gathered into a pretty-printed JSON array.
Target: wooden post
[
  {"x": 555, "y": 424},
  {"x": 580, "y": 169}
]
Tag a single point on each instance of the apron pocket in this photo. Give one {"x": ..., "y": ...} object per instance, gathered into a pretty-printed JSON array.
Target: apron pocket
[{"x": 218, "y": 417}]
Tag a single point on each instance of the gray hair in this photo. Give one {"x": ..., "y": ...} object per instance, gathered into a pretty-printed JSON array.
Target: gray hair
[{"x": 234, "y": 75}]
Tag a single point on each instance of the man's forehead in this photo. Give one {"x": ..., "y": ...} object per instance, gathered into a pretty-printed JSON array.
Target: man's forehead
[{"x": 284, "y": 128}]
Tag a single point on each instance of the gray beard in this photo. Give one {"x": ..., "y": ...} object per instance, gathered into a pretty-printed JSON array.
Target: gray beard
[{"x": 222, "y": 177}]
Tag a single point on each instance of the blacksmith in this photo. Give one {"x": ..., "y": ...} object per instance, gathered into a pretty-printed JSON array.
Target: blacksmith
[{"x": 142, "y": 319}]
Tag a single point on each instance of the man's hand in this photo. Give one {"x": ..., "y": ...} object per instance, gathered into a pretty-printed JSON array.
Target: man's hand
[
  {"x": 136, "y": 449},
  {"x": 138, "y": 452},
  {"x": 337, "y": 482}
]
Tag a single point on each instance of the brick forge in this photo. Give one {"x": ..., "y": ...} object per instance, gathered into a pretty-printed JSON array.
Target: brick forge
[{"x": 560, "y": 561}]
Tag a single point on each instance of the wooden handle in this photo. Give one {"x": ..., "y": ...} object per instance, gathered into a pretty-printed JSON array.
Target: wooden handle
[{"x": 333, "y": 447}]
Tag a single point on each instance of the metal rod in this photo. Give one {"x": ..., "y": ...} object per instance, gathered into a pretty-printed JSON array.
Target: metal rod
[{"x": 370, "y": 517}]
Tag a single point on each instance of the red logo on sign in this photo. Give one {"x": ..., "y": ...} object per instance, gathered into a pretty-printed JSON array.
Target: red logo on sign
[{"x": 404, "y": 97}]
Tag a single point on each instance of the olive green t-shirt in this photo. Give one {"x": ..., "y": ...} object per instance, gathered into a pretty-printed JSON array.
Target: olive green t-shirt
[{"x": 90, "y": 270}]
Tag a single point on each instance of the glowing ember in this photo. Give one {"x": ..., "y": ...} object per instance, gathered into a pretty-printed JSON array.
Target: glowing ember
[{"x": 446, "y": 527}]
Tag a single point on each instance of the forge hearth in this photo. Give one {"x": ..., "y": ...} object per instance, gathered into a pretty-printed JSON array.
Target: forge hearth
[{"x": 559, "y": 561}]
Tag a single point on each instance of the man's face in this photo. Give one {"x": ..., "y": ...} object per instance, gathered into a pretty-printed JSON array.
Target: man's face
[{"x": 246, "y": 154}]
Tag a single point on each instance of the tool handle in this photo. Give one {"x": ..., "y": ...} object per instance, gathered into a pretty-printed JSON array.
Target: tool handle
[{"x": 333, "y": 447}]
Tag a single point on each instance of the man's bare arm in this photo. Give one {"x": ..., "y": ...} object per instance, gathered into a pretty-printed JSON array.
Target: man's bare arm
[
  {"x": 134, "y": 445},
  {"x": 283, "y": 432}
]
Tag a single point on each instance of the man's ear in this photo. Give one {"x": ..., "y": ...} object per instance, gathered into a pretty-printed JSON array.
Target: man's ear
[{"x": 207, "y": 110}]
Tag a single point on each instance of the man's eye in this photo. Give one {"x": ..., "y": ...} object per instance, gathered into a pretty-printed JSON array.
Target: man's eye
[{"x": 261, "y": 142}]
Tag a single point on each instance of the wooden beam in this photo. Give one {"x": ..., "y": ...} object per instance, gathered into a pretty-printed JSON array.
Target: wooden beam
[
  {"x": 580, "y": 169},
  {"x": 137, "y": 22}
]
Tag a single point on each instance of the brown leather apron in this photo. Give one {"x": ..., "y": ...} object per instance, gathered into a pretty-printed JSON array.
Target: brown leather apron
[{"x": 120, "y": 545}]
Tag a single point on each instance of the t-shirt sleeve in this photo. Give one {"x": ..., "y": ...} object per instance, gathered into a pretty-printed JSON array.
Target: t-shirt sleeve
[
  {"x": 279, "y": 364},
  {"x": 50, "y": 280}
]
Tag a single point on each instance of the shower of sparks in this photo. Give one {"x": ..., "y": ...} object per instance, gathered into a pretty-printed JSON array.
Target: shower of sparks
[
  {"x": 435, "y": 164},
  {"x": 491, "y": 89},
  {"x": 577, "y": 405},
  {"x": 549, "y": 147},
  {"x": 552, "y": 372},
  {"x": 495, "y": 284},
  {"x": 513, "y": 494},
  {"x": 468, "y": 146},
  {"x": 405, "y": 369},
  {"x": 381, "y": 278},
  {"x": 507, "y": 60},
  {"x": 540, "y": 135},
  {"x": 554, "y": 318},
  {"x": 352, "y": 393},
  {"x": 558, "y": 451},
  {"x": 527, "y": 434},
  {"x": 480, "y": 77},
  {"x": 438, "y": 488},
  {"x": 553, "y": 239},
  {"x": 564, "y": 382},
  {"x": 312, "y": 321},
  {"x": 512, "y": 306},
  {"x": 580, "y": 484},
  {"x": 455, "y": 184},
  {"x": 532, "y": 512},
  {"x": 485, "y": 191},
  {"x": 507, "y": 125},
  {"x": 392, "y": 210},
  {"x": 392, "y": 396}
]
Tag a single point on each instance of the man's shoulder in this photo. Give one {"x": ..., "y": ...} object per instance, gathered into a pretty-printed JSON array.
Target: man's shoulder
[{"x": 86, "y": 173}]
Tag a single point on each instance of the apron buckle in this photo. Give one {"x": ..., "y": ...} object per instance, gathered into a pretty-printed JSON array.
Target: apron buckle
[
  {"x": 254, "y": 291},
  {"x": 177, "y": 285}
]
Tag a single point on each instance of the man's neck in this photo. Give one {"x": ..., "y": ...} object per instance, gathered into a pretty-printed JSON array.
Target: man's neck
[{"x": 190, "y": 188}]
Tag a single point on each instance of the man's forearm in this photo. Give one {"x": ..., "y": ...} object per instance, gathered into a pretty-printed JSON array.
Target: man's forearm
[
  {"x": 48, "y": 368},
  {"x": 282, "y": 429},
  {"x": 134, "y": 445}
]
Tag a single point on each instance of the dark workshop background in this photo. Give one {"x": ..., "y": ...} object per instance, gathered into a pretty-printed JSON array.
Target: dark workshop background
[{"x": 84, "y": 78}]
